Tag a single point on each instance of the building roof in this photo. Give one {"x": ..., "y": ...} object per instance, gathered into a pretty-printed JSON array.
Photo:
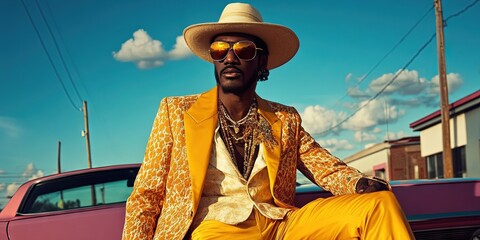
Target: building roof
[
  {"x": 387, "y": 144},
  {"x": 458, "y": 107}
]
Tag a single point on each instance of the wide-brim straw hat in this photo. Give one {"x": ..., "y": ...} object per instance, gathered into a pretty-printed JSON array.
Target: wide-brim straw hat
[{"x": 282, "y": 42}]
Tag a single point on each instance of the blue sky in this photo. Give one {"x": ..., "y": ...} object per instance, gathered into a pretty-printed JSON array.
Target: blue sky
[{"x": 124, "y": 56}]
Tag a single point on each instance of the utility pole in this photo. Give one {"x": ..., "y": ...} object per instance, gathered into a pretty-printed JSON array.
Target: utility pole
[
  {"x": 86, "y": 134},
  {"x": 387, "y": 118},
  {"x": 59, "y": 169},
  {"x": 444, "y": 104}
]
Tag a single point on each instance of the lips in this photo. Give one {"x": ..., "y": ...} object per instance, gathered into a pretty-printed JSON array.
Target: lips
[{"x": 231, "y": 72}]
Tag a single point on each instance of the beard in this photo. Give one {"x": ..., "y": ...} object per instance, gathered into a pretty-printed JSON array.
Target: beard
[{"x": 235, "y": 89}]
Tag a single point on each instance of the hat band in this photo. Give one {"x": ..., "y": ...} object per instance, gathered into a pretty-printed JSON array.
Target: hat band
[{"x": 239, "y": 17}]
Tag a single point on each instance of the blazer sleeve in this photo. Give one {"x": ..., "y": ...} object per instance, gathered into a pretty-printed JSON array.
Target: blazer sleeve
[
  {"x": 321, "y": 167},
  {"x": 146, "y": 200}
]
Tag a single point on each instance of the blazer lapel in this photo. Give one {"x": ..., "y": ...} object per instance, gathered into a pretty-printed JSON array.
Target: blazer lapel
[
  {"x": 272, "y": 154},
  {"x": 200, "y": 123}
]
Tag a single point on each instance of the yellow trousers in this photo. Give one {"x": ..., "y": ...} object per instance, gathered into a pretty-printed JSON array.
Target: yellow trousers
[{"x": 375, "y": 216}]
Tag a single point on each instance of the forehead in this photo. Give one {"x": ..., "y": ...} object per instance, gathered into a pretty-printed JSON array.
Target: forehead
[{"x": 235, "y": 37}]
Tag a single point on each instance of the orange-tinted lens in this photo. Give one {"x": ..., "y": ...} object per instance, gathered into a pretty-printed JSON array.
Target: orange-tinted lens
[
  {"x": 219, "y": 50},
  {"x": 245, "y": 50}
]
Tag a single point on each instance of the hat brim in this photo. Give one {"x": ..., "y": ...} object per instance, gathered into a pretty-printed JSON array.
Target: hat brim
[{"x": 282, "y": 42}]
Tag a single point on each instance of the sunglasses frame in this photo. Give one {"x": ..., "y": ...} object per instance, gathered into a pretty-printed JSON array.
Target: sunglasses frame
[{"x": 231, "y": 47}]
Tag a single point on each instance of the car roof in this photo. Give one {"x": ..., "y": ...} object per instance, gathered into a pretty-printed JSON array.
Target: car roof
[{"x": 10, "y": 209}]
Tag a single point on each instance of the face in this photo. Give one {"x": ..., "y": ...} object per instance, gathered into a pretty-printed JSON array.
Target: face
[{"x": 234, "y": 75}]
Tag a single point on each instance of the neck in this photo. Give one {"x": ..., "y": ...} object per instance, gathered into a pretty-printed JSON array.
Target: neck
[{"x": 237, "y": 106}]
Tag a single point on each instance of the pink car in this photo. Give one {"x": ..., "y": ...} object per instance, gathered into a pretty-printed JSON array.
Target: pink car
[
  {"x": 84, "y": 204},
  {"x": 90, "y": 204},
  {"x": 437, "y": 209}
]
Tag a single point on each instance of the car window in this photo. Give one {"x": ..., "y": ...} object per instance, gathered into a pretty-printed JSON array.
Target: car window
[
  {"x": 106, "y": 193},
  {"x": 80, "y": 191},
  {"x": 301, "y": 179}
]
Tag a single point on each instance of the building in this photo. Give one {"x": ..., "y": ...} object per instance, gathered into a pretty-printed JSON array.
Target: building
[
  {"x": 464, "y": 138},
  {"x": 392, "y": 160}
]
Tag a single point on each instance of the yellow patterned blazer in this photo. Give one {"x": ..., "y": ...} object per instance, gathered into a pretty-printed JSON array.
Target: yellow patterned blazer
[{"x": 169, "y": 184}]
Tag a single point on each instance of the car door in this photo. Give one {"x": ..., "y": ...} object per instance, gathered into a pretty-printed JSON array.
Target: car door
[
  {"x": 102, "y": 223},
  {"x": 84, "y": 206}
]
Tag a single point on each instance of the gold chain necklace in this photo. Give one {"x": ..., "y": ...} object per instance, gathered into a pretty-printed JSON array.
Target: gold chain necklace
[
  {"x": 237, "y": 124},
  {"x": 243, "y": 128},
  {"x": 241, "y": 131}
]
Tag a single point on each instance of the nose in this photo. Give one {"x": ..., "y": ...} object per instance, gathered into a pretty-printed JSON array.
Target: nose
[{"x": 231, "y": 57}]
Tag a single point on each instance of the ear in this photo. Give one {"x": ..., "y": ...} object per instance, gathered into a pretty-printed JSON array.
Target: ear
[{"x": 262, "y": 61}]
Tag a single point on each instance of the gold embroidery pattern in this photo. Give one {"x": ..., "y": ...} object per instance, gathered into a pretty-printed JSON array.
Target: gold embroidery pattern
[{"x": 161, "y": 204}]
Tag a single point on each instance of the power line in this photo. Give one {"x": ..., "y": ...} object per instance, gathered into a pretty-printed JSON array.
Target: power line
[
  {"x": 384, "y": 87},
  {"x": 49, "y": 56},
  {"x": 387, "y": 54},
  {"x": 58, "y": 51},
  {"x": 400, "y": 71},
  {"x": 460, "y": 12},
  {"x": 68, "y": 54}
]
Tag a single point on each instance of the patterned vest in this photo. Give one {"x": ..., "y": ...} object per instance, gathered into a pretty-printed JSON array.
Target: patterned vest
[{"x": 229, "y": 198}]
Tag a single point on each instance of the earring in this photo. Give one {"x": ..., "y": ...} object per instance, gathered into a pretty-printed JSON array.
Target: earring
[{"x": 262, "y": 75}]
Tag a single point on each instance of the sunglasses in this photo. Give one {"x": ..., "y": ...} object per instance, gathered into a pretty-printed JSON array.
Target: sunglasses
[{"x": 244, "y": 50}]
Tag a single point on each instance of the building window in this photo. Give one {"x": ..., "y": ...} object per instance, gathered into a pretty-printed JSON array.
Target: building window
[
  {"x": 435, "y": 164},
  {"x": 459, "y": 162},
  {"x": 380, "y": 173}
]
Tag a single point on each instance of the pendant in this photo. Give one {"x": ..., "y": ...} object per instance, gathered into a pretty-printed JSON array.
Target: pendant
[{"x": 236, "y": 129}]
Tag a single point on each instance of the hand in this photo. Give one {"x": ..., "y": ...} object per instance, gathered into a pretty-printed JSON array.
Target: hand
[{"x": 367, "y": 185}]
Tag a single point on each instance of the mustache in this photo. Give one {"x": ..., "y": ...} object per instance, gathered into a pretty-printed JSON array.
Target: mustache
[{"x": 230, "y": 67}]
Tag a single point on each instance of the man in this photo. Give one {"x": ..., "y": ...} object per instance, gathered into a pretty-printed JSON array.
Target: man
[{"x": 222, "y": 164}]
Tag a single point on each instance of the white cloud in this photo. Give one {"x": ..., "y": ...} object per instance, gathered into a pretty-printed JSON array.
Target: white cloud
[
  {"x": 11, "y": 189},
  {"x": 355, "y": 92},
  {"x": 146, "y": 52},
  {"x": 406, "y": 91},
  {"x": 395, "y": 135},
  {"x": 333, "y": 145},
  {"x": 374, "y": 113},
  {"x": 454, "y": 81},
  {"x": 365, "y": 136},
  {"x": 348, "y": 77},
  {"x": 38, "y": 174},
  {"x": 408, "y": 88},
  {"x": 317, "y": 119},
  {"x": 31, "y": 172},
  {"x": 407, "y": 82},
  {"x": 415, "y": 101},
  {"x": 180, "y": 49},
  {"x": 9, "y": 127},
  {"x": 374, "y": 136}
]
